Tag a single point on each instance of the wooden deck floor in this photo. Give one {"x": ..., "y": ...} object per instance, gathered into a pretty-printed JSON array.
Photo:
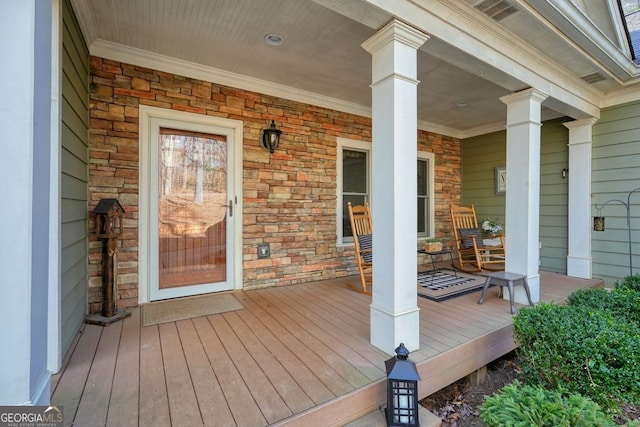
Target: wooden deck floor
[{"x": 295, "y": 356}]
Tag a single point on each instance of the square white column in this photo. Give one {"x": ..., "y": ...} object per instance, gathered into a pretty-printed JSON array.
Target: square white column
[
  {"x": 394, "y": 309},
  {"x": 25, "y": 115},
  {"x": 523, "y": 188},
  {"x": 580, "y": 142}
]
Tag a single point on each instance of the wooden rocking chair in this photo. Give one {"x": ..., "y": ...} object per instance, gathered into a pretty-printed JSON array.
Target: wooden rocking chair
[
  {"x": 473, "y": 254},
  {"x": 360, "y": 218}
]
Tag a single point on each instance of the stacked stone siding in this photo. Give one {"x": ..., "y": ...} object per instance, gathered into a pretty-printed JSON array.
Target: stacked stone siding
[{"x": 289, "y": 197}]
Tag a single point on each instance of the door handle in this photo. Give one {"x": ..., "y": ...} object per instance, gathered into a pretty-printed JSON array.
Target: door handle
[{"x": 230, "y": 206}]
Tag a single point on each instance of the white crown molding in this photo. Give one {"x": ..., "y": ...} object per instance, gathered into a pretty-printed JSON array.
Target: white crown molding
[
  {"x": 623, "y": 96},
  {"x": 484, "y": 129},
  {"x": 439, "y": 129},
  {"x": 143, "y": 58}
]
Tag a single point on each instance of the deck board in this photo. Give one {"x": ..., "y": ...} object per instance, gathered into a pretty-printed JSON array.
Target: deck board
[
  {"x": 71, "y": 381},
  {"x": 154, "y": 402},
  {"x": 301, "y": 343},
  {"x": 297, "y": 355},
  {"x": 123, "y": 407},
  {"x": 272, "y": 406},
  {"x": 183, "y": 405},
  {"x": 286, "y": 386},
  {"x": 347, "y": 345},
  {"x": 213, "y": 408},
  {"x": 94, "y": 405},
  {"x": 236, "y": 393},
  {"x": 312, "y": 386}
]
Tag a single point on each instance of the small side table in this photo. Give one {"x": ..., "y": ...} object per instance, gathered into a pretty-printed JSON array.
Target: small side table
[
  {"x": 435, "y": 268},
  {"x": 503, "y": 278}
]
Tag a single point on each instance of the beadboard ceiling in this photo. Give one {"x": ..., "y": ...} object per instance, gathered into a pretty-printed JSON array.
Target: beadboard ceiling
[{"x": 322, "y": 53}]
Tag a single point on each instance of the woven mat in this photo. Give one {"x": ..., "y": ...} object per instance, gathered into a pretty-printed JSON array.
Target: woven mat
[
  {"x": 444, "y": 284},
  {"x": 187, "y": 308}
]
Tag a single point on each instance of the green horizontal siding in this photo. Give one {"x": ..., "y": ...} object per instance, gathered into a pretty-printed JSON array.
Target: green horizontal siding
[
  {"x": 74, "y": 180},
  {"x": 482, "y": 154},
  {"x": 616, "y": 172}
]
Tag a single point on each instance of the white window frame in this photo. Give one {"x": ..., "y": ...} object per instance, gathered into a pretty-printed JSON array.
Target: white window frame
[
  {"x": 430, "y": 159},
  {"x": 351, "y": 144}
]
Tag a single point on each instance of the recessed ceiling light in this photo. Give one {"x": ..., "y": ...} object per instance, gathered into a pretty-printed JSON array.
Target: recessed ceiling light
[{"x": 273, "y": 39}]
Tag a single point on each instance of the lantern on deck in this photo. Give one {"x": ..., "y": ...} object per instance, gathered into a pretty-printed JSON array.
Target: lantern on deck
[{"x": 402, "y": 389}]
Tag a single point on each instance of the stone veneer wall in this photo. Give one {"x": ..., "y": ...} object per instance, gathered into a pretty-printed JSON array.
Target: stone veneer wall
[{"x": 289, "y": 197}]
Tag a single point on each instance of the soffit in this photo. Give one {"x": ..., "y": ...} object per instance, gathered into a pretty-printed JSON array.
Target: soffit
[{"x": 321, "y": 53}]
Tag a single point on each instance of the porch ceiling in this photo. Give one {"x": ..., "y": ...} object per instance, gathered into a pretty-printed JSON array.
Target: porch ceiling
[{"x": 321, "y": 54}]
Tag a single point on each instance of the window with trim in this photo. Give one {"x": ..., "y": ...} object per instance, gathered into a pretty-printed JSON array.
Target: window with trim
[{"x": 354, "y": 185}]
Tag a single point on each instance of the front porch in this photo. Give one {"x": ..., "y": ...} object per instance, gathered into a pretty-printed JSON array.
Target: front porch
[{"x": 296, "y": 355}]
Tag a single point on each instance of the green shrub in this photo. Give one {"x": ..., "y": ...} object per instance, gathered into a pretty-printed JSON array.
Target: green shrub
[
  {"x": 588, "y": 350},
  {"x": 623, "y": 301},
  {"x": 523, "y": 405},
  {"x": 630, "y": 282},
  {"x": 600, "y": 299}
]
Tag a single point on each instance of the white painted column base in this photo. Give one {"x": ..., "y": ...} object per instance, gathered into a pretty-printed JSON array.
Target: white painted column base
[
  {"x": 393, "y": 327},
  {"x": 579, "y": 267}
]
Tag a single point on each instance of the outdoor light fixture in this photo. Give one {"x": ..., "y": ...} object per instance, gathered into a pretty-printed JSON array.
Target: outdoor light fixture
[
  {"x": 402, "y": 390},
  {"x": 598, "y": 221},
  {"x": 271, "y": 137},
  {"x": 565, "y": 171}
]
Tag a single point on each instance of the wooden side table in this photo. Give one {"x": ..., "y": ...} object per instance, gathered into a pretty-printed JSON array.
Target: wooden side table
[{"x": 503, "y": 278}]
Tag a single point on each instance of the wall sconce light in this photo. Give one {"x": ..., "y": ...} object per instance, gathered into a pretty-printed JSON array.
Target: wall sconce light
[
  {"x": 271, "y": 137},
  {"x": 402, "y": 390},
  {"x": 565, "y": 171}
]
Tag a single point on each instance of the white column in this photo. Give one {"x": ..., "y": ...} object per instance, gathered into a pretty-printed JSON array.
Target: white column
[
  {"x": 580, "y": 141},
  {"x": 25, "y": 117},
  {"x": 395, "y": 316},
  {"x": 523, "y": 188}
]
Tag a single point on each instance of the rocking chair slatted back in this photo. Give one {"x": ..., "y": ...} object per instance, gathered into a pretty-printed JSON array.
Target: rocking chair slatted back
[
  {"x": 473, "y": 254},
  {"x": 361, "y": 227}
]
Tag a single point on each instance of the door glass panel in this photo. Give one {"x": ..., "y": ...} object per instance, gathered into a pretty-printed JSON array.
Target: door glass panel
[{"x": 192, "y": 208}]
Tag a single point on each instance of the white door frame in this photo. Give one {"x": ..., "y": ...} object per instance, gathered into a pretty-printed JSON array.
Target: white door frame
[{"x": 232, "y": 129}]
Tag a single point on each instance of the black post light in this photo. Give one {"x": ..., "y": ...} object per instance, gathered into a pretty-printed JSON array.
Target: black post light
[
  {"x": 271, "y": 137},
  {"x": 598, "y": 221},
  {"x": 402, "y": 390}
]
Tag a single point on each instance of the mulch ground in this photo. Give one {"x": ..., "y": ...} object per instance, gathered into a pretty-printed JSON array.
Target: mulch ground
[{"x": 458, "y": 404}]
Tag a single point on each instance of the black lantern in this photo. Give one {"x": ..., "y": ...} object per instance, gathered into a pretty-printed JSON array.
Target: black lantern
[
  {"x": 598, "y": 223},
  {"x": 271, "y": 137},
  {"x": 402, "y": 389}
]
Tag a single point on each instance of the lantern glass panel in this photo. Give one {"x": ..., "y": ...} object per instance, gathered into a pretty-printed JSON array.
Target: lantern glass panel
[{"x": 404, "y": 398}]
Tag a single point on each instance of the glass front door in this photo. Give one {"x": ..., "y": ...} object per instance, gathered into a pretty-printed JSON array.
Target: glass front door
[{"x": 189, "y": 212}]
